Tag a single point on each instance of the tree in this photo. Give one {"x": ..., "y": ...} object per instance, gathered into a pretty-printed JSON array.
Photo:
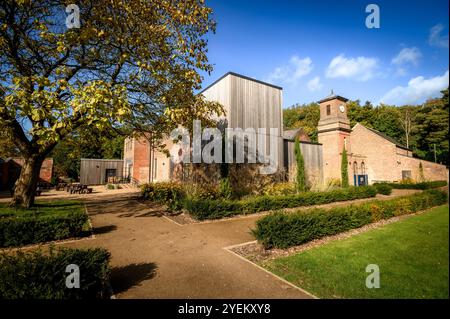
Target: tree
[
  {"x": 125, "y": 65},
  {"x": 421, "y": 174},
  {"x": 431, "y": 129},
  {"x": 301, "y": 177},
  {"x": 407, "y": 122},
  {"x": 89, "y": 143},
  {"x": 344, "y": 168},
  {"x": 305, "y": 116},
  {"x": 7, "y": 147}
]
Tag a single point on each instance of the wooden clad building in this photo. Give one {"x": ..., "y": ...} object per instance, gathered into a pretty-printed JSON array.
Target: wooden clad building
[
  {"x": 100, "y": 171},
  {"x": 250, "y": 103}
]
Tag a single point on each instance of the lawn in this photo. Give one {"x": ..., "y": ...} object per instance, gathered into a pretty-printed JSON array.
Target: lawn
[
  {"x": 44, "y": 208},
  {"x": 412, "y": 255}
]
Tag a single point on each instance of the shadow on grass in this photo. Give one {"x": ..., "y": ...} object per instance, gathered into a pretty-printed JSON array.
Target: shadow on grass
[{"x": 126, "y": 277}]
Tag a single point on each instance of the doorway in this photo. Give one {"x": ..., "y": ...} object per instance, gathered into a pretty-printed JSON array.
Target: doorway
[{"x": 111, "y": 175}]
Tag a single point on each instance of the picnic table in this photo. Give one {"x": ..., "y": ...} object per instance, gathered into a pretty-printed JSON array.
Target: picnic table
[
  {"x": 78, "y": 188},
  {"x": 61, "y": 186}
]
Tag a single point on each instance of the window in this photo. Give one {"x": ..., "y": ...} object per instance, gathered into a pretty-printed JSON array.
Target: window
[
  {"x": 328, "y": 109},
  {"x": 363, "y": 168},
  {"x": 111, "y": 175},
  {"x": 406, "y": 175},
  {"x": 355, "y": 168}
]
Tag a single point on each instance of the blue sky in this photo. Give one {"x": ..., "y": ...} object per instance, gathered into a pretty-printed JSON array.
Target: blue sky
[{"x": 311, "y": 47}]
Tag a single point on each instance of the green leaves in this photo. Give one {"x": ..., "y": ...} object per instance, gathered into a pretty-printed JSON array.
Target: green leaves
[
  {"x": 127, "y": 63},
  {"x": 301, "y": 175}
]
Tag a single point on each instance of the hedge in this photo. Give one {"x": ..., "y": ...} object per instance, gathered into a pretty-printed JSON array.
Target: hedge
[
  {"x": 25, "y": 230},
  {"x": 383, "y": 188},
  {"x": 167, "y": 193},
  {"x": 213, "y": 209},
  {"x": 422, "y": 186},
  {"x": 283, "y": 230},
  {"x": 39, "y": 275}
]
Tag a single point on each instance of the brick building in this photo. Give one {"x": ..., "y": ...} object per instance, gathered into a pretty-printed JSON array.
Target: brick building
[
  {"x": 144, "y": 163},
  {"x": 10, "y": 171},
  {"x": 251, "y": 103},
  {"x": 372, "y": 156}
]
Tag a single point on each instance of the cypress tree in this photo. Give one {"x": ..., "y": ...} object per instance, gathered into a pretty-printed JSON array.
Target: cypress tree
[
  {"x": 300, "y": 181},
  {"x": 344, "y": 168}
]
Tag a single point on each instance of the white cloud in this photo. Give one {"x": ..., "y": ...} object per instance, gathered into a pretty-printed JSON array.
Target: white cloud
[
  {"x": 436, "y": 38},
  {"x": 314, "y": 84},
  {"x": 407, "y": 56},
  {"x": 360, "y": 68},
  {"x": 418, "y": 90},
  {"x": 291, "y": 72}
]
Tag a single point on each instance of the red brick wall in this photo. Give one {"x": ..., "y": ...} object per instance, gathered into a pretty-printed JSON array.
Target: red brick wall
[{"x": 45, "y": 175}]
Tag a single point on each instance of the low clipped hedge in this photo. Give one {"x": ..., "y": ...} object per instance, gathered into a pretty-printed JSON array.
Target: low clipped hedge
[
  {"x": 24, "y": 230},
  {"x": 422, "y": 186},
  {"x": 384, "y": 189},
  {"x": 167, "y": 193},
  {"x": 283, "y": 230},
  {"x": 203, "y": 209},
  {"x": 39, "y": 275}
]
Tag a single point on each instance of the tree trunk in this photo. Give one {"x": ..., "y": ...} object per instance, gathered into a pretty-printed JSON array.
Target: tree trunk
[{"x": 25, "y": 186}]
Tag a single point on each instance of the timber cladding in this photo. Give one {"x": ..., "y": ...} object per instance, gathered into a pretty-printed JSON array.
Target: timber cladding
[
  {"x": 312, "y": 156},
  {"x": 250, "y": 103},
  {"x": 100, "y": 171}
]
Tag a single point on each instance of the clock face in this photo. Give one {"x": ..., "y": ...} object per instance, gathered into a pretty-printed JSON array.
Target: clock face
[{"x": 342, "y": 108}]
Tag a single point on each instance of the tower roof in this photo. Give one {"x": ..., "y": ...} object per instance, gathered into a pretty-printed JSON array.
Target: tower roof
[{"x": 333, "y": 96}]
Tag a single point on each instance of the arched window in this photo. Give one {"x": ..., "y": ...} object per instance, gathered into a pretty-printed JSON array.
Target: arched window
[
  {"x": 355, "y": 168},
  {"x": 363, "y": 168}
]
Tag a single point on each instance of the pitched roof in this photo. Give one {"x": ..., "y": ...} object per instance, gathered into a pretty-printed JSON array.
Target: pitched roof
[
  {"x": 293, "y": 133},
  {"x": 333, "y": 96},
  {"x": 240, "y": 76},
  {"x": 390, "y": 139}
]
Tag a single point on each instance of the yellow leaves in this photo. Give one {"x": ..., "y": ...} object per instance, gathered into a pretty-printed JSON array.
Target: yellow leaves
[
  {"x": 37, "y": 114},
  {"x": 60, "y": 47}
]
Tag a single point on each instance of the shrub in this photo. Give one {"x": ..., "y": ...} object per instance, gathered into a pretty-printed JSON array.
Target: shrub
[
  {"x": 282, "y": 230},
  {"x": 344, "y": 167},
  {"x": 32, "y": 229},
  {"x": 423, "y": 185},
  {"x": 300, "y": 181},
  {"x": 333, "y": 183},
  {"x": 213, "y": 209},
  {"x": 277, "y": 189},
  {"x": 383, "y": 188},
  {"x": 39, "y": 275},
  {"x": 168, "y": 193},
  {"x": 225, "y": 189},
  {"x": 202, "y": 190}
]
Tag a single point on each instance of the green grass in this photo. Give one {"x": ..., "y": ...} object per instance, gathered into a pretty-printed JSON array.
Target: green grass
[
  {"x": 43, "y": 208},
  {"x": 412, "y": 255}
]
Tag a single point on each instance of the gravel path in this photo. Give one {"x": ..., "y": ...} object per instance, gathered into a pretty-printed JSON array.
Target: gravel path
[{"x": 156, "y": 257}]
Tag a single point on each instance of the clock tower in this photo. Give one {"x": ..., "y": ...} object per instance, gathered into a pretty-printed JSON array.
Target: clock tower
[{"x": 334, "y": 134}]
